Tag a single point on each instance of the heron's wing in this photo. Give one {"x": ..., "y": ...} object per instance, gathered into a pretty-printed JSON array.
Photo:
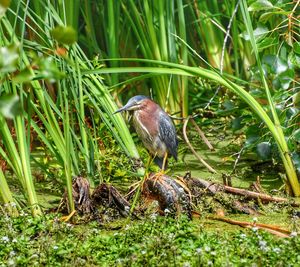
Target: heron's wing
[{"x": 167, "y": 133}]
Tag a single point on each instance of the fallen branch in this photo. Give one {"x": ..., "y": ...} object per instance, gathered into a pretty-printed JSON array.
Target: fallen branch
[
  {"x": 214, "y": 188},
  {"x": 267, "y": 227}
]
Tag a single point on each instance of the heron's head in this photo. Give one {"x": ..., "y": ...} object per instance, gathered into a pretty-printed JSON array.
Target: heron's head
[{"x": 134, "y": 103}]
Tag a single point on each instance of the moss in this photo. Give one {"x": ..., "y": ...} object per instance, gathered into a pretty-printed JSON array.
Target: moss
[{"x": 157, "y": 241}]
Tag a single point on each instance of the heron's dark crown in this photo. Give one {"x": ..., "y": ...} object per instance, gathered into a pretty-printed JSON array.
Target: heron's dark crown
[{"x": 138, "y": 98}]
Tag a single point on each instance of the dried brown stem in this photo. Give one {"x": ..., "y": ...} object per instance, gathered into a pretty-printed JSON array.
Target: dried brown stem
[
  {"x": 205, "y": 140},
  {"x": 274, "y": 229},
  {"x": 193, "y": 150}
]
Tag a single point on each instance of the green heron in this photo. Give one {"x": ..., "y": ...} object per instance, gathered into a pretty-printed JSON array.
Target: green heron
[{"x": 154, "y": 127}]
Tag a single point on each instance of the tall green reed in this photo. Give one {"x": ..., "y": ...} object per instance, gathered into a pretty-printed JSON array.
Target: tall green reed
[{"x": 54, "y": 103}]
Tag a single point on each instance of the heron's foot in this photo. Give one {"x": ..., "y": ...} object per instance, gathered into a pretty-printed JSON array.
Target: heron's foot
[
  {"x": 158, "y": 175},
  {"x": 68, "y": 217}
]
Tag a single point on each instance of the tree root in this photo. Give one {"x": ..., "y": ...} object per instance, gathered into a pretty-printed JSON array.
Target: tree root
[{"x": 104, "y": 195}]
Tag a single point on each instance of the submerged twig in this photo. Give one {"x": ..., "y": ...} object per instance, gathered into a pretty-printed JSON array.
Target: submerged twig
[
  {"x": 193, "y": 150},
  {"x": 274, "y": 229},
  {"x": 239, "y": 154}
]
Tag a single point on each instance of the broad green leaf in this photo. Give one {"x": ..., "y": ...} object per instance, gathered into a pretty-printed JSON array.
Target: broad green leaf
[
  {"x": 296, "y": 160},
  {"x": 294, "y": 59},
  {"x": 268, "y": 16},
  {"x": 296, "y": 48},
  {"x": 65, "y": 35},
  {"x": 10, "y": 106},
  {"x": 260, "y": 5},
  {"x": 228, "y": 105},
  {"x": 280, "y": 66},
  {"x": 263, "y": 150},
  {"x": 296, "y": 98},
  {"x": 297, "y": 135},
  {"x": 291, "y": 112},
  {"x": 4, "y": 4},
  {"x": 259, "y": 32},
  {"x": 286, "y": 78},
  {"x": 255, "y": 92},
  {"x": 251, "y": 140},
  {"x": 237, "y": 124},
  {"x": 252, "y": 135},
  {"x": 9, "y": 56},
  {"x": 277, "y": 65}
]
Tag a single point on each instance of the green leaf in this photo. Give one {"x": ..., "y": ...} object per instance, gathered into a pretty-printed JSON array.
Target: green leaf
[
  {"x": 10, "y": 106},
  {"x": 4, "y": 4},
  {"x": 296, "y": 160},
  {"x": 297, "y": 135},
  {"x": 259, "y": 33},
  {"x": 291, "y": 112},
  {"x": 251, "y": 140},
  {"x": 294, "y": 59},
  {"x": 268, "y": 16},
  {"x": 48, "y": 70},
  {"x": 286, "y": 78},
  {"x": 277, "y": 65},
  {"x": 263, "y": 150},
  {"x": 296, "y": 48},
  {"x": 228, "y": 105},
  {"x": 267, "y": 42},
  {"x": 260, "y": 5},
  {"x": 252, "y": 135},
  {"x": 237, "y": 124},
  {"x": 65, "y": 35},
  {"x": 9, "y": 56},
  {"x": 24, "y": 75},
  {"x": 296, "y": 98}
]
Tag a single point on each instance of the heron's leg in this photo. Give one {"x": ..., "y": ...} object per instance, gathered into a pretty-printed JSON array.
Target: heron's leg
[
  {"x": 163, "y": 164},
  {"x": 165, "y": 161}
]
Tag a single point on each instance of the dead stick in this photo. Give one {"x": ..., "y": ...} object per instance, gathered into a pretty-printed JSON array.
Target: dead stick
[
  {"x": 205, "y": 140},
  {"x": 214, "y": 188},
  {"x": 251, "y": 194},
  {"x": 252, "y": 224},
  {"x": 193, "y": 150}
]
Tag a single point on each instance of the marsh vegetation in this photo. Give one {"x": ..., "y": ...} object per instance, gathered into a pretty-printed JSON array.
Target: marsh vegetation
[{"x": 227, "y": 73}]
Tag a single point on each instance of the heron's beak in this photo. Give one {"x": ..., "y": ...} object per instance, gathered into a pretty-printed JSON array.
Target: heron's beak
[
  {"x": 128, "y": 106},
  {"x": 119, "y": 110}
]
